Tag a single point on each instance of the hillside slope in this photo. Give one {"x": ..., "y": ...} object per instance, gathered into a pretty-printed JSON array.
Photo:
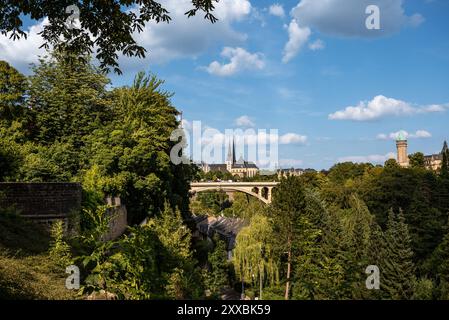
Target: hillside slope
[{"x": 26, "y": 270}]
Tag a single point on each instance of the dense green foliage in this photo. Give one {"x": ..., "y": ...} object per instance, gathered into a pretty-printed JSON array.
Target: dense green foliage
[
  {"x": 152, "y": 261},
  {"x": 330, "y": 226},
  {"x": 67, "y": 126},
  {"x": 315, "y": 241},
  {"x": 71, "y": 128},
  {"x": 27, "y": 270},
  {"x": 254, "y": 254},
  {"x": 216, "y": 276}
]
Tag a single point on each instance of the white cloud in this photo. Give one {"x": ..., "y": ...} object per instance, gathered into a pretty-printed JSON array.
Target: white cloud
[
  {"x": 374, "y": 158},
  {"x": 393, "y": 135},
  {"x": 20, "y": 53},
  {"x": 297, "y": 37},
  {"x": 240, "y": 59},
  {"x": 435, "y": 108},
  {"x": 380, "y": 107},
  {"x": 244, "y": 121},
  {"x": 292, "y": 138},
  {"x": 421, "y": 134},
  {"x": 186, "y": 124},
  {"x": 316, "y": 45},
  {"x": 277, "y": 10},
  {"x": 416, "y": 20},
  {"x": 382, "y": 136},
  {"x": 250, "y": 137},
  {"x": 289, "y": 163},
  {"x": 267, "y": 138},
  {"x": 190, "y": 37},
  {"x": 332, "y": 17},
  {"x": 182, "y": 37}
]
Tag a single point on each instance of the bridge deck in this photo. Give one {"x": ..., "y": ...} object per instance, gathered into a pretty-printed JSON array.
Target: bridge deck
[{"x": 235, "y": 184}]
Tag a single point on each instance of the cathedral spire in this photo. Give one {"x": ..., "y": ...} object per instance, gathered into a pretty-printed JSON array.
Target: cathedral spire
[
  {"x": 233, "y": 150},
  {"x": 229, "y": 157},
  {"x": 445, "y": 148}
]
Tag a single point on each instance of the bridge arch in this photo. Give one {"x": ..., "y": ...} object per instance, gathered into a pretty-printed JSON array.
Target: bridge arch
[
  {"x": 259, "y": 190},
  {"x": 245, "y": 190}
]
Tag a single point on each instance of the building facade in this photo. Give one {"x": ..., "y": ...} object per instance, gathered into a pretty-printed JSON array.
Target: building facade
[
  {"x": 239, "y": 168},
  {"x": 431, "y": 162},
  {"x": 283, "y": 173},
  {"x": 434, "y": 161},
  {"x": 401, "y": 149}
]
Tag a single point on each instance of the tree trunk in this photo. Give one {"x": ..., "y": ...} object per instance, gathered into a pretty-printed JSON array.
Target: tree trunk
[{"x": 289, "y": 263}]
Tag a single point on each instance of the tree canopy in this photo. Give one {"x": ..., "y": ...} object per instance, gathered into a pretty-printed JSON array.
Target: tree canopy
[{"x": 107, "y": 26}]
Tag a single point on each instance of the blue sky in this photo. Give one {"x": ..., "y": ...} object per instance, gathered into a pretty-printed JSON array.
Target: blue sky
[{"x": 335, "y": 90}]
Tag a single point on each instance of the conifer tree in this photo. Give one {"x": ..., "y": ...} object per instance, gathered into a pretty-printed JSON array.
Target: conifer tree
[
  {"x": 359, "y": 223},
  {"x": 375, "y": 255},
  {"x": 439, "y": 261},
  {"x": 397, "y": 268},
  {"x": 287, "y": 208},
  {"x": 444, "y": 171}
]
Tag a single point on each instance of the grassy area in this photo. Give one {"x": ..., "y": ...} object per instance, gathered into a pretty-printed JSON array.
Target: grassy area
[{"x": 26, "y": 270}]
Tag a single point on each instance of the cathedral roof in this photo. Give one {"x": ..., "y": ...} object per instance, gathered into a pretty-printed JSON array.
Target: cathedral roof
[
  {"x": 438, "y": 156},
  {"x": 218, "y": 167}
]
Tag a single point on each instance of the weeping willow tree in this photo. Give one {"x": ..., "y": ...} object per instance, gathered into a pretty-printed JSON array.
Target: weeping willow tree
[{"x": 254, "y": 260}]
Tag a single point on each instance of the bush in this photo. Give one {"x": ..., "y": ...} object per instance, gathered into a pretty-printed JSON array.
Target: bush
[{"x": 59, "y": 249}]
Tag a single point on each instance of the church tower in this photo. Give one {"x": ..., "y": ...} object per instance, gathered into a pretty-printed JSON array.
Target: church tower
[
  {"x": 401, "y": 147},
  {"x": 230, "y": 160}
]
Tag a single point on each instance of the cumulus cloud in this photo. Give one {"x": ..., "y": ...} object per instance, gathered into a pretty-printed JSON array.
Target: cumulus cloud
[
  {"x": 244, "y": 121},
  {"x": 331, "y": 17},
  {"x": 277, "y": 10},
  {"x": 182, "y": 37},
  {"x": 289, "y": 163},
  {"x": 380, "y": 107},
  {"x": 239, "y": 59},
  {"x": 374, "y": 158},
  {"x": 251, "y": 137},
  {"x": 20, "y": 53},
  {"x": 262, "y": 137},
  {"x": 394, "y": 135},
  {"x": 292, "y": 138},
  {"x": 297, "y": 37},
  {"x": 186, "y": 37},
  {"x": 316, "y": 45}
]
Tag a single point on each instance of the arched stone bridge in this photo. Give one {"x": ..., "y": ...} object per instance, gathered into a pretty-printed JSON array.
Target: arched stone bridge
[{"x": 261, "y": 190}]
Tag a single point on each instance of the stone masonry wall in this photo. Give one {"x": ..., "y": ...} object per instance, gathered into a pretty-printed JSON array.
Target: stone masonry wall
[{"x": 43, "y": 202}]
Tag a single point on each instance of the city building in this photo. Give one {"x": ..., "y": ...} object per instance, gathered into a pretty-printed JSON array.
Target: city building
[
  {"x": 239, "y": 168},
  {"x": 283, "y": 173},
  {"x": 431, "y": 162},
  {"x": 401, "y": 149},
  {"x": 434, "y": 161}
]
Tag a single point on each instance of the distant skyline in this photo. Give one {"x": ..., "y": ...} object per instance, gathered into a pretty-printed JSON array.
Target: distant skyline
[{"x": 335, "y": 90}]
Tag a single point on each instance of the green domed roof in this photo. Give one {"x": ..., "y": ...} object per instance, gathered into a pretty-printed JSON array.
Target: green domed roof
[{"x": 400, "y": 136}]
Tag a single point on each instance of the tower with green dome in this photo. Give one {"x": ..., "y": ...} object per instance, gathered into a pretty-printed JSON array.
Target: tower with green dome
[{"x": 401, "y": 148}]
